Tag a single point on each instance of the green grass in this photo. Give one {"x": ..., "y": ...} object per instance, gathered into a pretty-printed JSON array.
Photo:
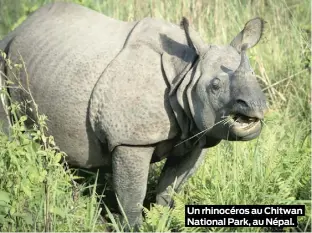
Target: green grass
[{"x": 273, "y": 169}]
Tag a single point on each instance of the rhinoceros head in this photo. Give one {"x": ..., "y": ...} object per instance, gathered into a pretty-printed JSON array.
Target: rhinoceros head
[{"x": 224, "y": 97}]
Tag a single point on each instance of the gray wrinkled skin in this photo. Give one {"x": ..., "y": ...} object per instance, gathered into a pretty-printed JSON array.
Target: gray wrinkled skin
[{"x": 124, "y": 94}]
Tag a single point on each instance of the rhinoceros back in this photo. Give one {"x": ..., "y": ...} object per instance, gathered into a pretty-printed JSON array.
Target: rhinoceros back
[{"x": 65, "y": 48}]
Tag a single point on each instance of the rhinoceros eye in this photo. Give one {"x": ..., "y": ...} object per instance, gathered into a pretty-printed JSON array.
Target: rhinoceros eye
[{"x": 216, "y": 83}]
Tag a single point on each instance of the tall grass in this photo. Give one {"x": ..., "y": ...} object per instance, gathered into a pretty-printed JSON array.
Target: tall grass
[{"x": 273, "y": 169}]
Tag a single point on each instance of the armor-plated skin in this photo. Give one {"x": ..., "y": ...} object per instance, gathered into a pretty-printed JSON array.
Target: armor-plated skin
[{"x": 124, "y": 94}]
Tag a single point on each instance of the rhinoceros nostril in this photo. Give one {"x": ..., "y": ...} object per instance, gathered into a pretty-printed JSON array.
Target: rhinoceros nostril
[{"x": 242, "y": 103}]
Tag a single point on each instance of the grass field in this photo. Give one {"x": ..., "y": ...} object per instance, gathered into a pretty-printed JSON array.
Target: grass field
[{"x": 36, "y": 192}]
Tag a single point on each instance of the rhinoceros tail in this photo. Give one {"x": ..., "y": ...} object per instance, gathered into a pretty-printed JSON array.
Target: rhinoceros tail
[
  {"x": 4, "y": 43},
  {"x": 4, "y": 47}
]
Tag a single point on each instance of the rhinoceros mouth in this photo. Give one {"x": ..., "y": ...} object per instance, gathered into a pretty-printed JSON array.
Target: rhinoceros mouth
[
  {"x": 242, "y": 125},
  {"x": 243, "y": 121}
]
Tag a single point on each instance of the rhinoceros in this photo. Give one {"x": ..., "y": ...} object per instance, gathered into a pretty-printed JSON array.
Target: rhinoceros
[{"x": 124, "y": 95}]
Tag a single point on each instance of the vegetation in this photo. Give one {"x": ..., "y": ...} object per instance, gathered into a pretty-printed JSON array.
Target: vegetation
[{"x": 37, "y": 193}]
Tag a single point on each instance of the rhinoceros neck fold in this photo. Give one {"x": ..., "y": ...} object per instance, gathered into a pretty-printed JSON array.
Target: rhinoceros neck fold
[{"x": 179, "y": 101}]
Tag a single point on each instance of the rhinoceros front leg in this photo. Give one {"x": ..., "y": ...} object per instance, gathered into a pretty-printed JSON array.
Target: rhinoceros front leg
[
  {"x": 130, "y": 173},
  {"x": 175, "y": 173}
]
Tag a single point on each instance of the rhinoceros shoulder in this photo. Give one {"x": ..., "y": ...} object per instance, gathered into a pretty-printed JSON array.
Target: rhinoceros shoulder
[{"x": 130, "y": 104}]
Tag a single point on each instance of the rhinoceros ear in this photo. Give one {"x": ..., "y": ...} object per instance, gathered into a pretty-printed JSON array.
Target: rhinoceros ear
[
  {"x": 250, "y": 35},
  {"x": 193, "y": 39}
]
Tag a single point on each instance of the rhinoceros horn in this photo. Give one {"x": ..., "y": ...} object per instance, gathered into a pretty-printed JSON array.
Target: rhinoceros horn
[{"x": 193, "y": 39}]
